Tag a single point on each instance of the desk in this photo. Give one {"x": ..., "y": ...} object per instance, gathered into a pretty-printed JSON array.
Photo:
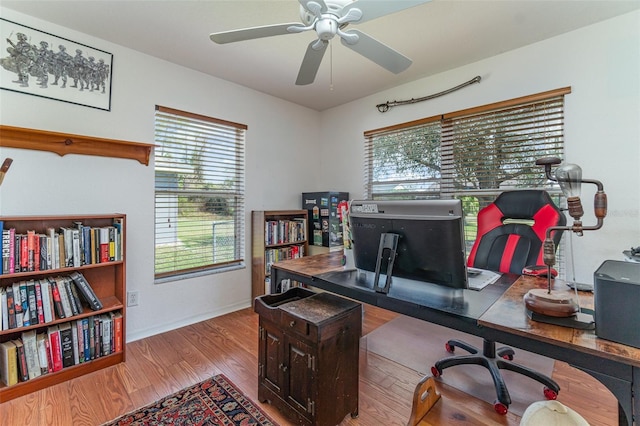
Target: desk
[{"x": 496, "y": 313}]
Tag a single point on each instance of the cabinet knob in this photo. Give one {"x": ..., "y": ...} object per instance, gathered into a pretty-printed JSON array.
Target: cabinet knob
[
  {"x": 292, "y": 324},
  {"x": 283, "y": 367}
]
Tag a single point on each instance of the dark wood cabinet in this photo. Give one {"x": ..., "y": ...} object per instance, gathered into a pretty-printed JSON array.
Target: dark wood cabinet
[{"x": 308, "y": 355}]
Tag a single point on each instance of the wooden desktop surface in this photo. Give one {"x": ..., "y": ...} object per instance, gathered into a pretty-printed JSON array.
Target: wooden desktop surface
[
  {"x": 503, "y": 320},
  {"x": 508, "y": 314}
]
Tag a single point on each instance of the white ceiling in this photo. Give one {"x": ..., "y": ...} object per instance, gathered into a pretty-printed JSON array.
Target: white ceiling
[{"x": 437, "y": 36}]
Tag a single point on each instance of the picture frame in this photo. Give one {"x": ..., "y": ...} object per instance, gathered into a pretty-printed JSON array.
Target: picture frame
[{"x": 42, "y": 64}]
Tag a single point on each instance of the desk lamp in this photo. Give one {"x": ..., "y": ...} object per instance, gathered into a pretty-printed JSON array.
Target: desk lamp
[{"x": 562, "y": 304}]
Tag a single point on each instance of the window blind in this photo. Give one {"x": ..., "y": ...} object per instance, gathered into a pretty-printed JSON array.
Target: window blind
[
  {"x": 199, "y": 193},
  {"x": 472, "y": 154}
]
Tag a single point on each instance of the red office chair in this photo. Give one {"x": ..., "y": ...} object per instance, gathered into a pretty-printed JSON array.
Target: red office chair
[{"x": 511, "y": 232}]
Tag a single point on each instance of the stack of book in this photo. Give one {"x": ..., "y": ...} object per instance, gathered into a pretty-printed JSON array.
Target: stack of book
[
  {"x": 64, "y": 345},
  {"x": 66, "y": 247},
  {"x": 40, "y": 301}
]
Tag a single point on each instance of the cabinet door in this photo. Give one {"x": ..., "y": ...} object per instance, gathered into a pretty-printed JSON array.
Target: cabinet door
[
  {"x": 271, "y": 367},
  {"x": 300, "y": 361}
]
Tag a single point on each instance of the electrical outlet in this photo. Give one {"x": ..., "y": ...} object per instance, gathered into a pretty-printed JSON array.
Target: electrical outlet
[{"x": 132, "y": 298}]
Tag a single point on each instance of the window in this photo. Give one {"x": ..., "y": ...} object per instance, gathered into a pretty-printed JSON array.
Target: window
[
  {"x": 472, "y": 154},
  {"x": 199, "y": 193}
]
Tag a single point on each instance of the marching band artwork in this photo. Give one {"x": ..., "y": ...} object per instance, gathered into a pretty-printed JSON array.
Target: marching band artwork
[{"x": 41, "y": 64}]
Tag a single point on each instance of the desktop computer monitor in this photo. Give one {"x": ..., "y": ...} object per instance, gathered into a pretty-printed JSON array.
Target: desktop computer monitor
[{"x": 430, "y": 242}]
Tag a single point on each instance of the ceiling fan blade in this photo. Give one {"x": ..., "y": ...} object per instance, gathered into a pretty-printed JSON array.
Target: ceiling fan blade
[
  {"x": 252, "y": 33},
  {"x": 311, "y": 62},
  {"x": 372, "y": 9},
  {"x": 377, "y": 52},
  {"x": 314, "y": 6}
]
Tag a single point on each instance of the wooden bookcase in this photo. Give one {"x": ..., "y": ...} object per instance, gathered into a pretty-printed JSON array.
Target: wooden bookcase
[
  {"x": 261, "y": 246},
  {"x": 107, "y": 279}
]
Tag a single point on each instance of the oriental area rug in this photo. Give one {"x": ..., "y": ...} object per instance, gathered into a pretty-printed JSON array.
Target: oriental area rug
[
  {"x": 215, "y": 401},
  {"x": 418, "y": 344}
]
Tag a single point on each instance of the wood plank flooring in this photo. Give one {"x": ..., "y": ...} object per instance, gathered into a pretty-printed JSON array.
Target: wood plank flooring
[{"x": 165, "y": 363}]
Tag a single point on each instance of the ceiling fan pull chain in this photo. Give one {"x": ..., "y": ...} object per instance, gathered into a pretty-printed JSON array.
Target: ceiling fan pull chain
[
  {"x": 387, "y": 105},
  {"x": 331, "y": 68}
]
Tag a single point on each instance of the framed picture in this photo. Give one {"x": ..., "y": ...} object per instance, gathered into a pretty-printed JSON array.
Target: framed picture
[{"x": 41, "y": 64}]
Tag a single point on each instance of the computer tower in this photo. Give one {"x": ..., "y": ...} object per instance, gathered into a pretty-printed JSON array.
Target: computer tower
[{"x": 617, "y": 302}]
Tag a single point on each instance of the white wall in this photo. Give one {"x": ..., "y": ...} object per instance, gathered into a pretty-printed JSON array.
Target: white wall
[
  {"x": 601, "y": 63},
  {"x": 279, "y": 135}
]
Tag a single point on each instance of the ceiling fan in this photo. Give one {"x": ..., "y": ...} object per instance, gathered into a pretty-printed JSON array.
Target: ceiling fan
[{"x": 329, "y": 18}]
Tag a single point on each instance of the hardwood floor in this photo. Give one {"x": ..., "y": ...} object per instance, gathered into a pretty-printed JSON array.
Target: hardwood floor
[{"x": 165, "y": 363}]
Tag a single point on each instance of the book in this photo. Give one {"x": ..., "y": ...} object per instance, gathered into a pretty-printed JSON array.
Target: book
[
  {"x": 75, "y": 304},
  {"x": 55, "y": 347},
  {"x": 117, "y": 332},
  {"x": 80, "y": 336},
  {"x": 11, "y": 309},
  {"x": 85, "y": 339},
  {"x": 6, "y": 249},
  {"x": 4, "y": 317},
  {"x": 31, "y": 353},
  {"x": 64, "y": 297},
  {"x": 12, "y": 250},
  {"x": 76, "y": 257},
  {"x": 8, "y": 363},
  {"x": 44, "y": 252},
  {"x": 66, "y": 344},
  {"x": 67, "y": 235},
  {"x": 47, "y": 300},
  {"x": 24, "y": 253},
  {"x": 57, "y": 299},
  {"x": 23, "y": 371},
  {"x": 17, "y": 304},
  {"x": 31, "y": 297},
  {"x": 105, "y": 324},
  {"x": 86, "y": 291},
  {"x": 24, "y": 302},
  {"x": 39, "y": 304},
  {"x": 76, "y": 344},
  {"x": 118, "y": 224},
  {"x": 43, "y": 352},
  {"x": 104, "y": 244}
]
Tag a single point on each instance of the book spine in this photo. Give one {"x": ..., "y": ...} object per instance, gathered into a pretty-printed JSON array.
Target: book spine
[
  {"x": 80, "y": 346},
  {"x": 55, "y": 347},
  {"x": 64, "y": 297},
  {"x": 17, "y": 303},
  {"x": 43, "y": 358},
  {"x": 117, "y": 326},
  {"x": 24, "y": 300},
  {"x": 24, "y": 253},
  {"x": 66, "y": 344},
  {"x": 44, "y": 250},
  {"x": 77, "y": 256},
  {"x": 104, "y": 245},
  {"x": 74, "y": 339},
  {"x": 6, "y": 250},
  {"x": 86, "y": 340},
  {"x": 57, "y": 299},
  {"x": 47, "y": 300},
  {"x": 31, "y": 353},
  {"x": 33, "y": 303},
  {"x": 85, "y": 289},
  {"x": 11, "y": 308},
  {"x": 72, "y": 300},
  {"x": 39, "y": 302},
  {"x": 12, "y": 250},
  {"x": 23, "y": 371},
  {"x": 8, "y": 363},
  {"x": 5, "y": 309}
]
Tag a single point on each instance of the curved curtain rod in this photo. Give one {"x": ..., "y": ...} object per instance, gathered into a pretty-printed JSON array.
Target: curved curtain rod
[{"x": 387, "y": 105}]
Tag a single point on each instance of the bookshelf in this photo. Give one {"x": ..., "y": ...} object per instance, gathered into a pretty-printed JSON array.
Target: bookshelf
[
  {"x": 275, "y": 235},
  {"x": 107, "y": 278}
]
